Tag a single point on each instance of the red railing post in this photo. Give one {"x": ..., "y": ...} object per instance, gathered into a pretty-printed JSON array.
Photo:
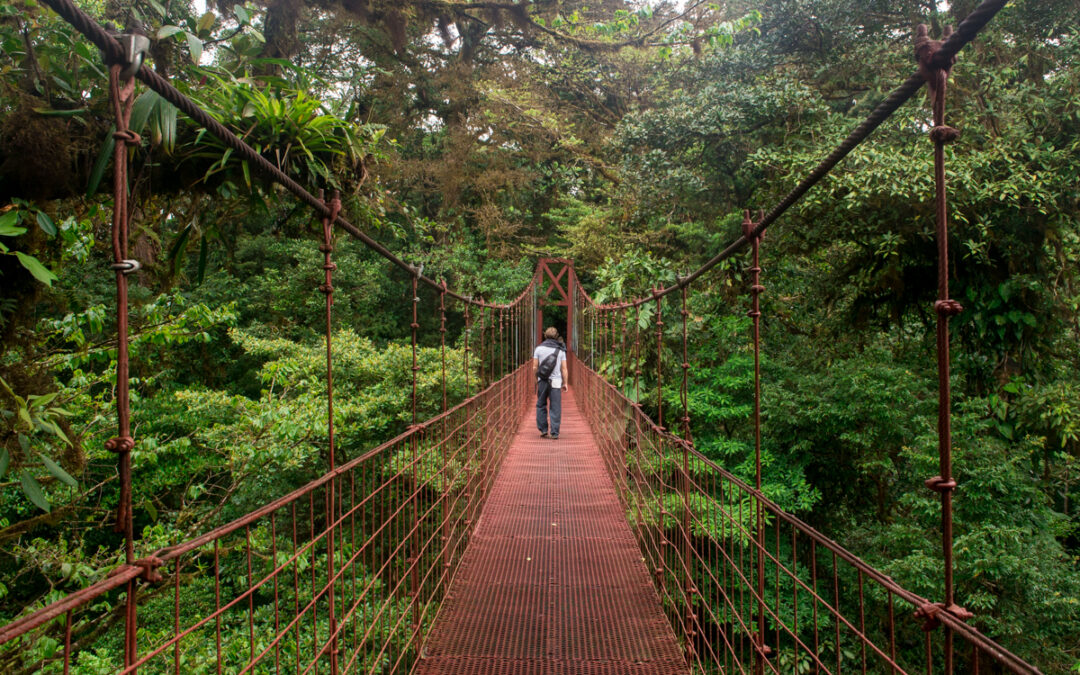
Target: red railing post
[
  {"x": 469, "y": 487},
  {"x": 446, "y": 445},
  {"x": 659, "y": 358},
  {"x": 658, "y": 445},
  {"x": 689, "y": 588},
  {"x": 483, "y": 336},
  {"x": 414, "y": 441}
]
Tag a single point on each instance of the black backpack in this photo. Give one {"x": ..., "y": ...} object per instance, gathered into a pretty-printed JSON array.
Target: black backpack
[{"x": 547, "y": 366}]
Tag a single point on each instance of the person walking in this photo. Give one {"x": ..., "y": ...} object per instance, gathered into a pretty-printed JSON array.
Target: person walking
[{"x": 549, "y": 366}]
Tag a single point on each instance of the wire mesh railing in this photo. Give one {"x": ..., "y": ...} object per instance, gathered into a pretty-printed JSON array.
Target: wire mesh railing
[
  {"x": 255, "y": 595},
  {"x": 750, "y": 588}
]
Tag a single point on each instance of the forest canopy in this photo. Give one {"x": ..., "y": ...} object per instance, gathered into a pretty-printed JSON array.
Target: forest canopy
[{"x": 476, "y": 137}]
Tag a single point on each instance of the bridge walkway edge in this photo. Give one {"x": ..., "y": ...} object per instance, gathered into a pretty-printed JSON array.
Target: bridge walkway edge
[{"x": 553, "y": 581}]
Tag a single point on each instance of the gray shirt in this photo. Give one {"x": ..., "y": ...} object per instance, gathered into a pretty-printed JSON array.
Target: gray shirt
[{"x": 542, "y": 352}]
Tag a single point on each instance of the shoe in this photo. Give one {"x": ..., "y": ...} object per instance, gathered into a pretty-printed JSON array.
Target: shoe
[
  {"x": 553, "y": 437},
  {"x": 544, "y": 435}
]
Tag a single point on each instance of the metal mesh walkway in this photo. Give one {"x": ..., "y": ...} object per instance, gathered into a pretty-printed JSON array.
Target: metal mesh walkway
[{"x": 553, "y": 580}]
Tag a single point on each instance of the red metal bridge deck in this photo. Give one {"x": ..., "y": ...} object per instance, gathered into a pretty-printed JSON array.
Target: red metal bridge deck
[{"x": 553, "y": 580}]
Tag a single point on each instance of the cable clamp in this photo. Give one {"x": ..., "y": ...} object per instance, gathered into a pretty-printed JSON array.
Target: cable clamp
[
  {"x": 126, "y": 267},
  {"x": 930, "y": 614},
  {"x": 948, "y": 308},
  {"x": 944, "y": 134},
  {"x": 940, "y": 485},
  {"x": 120, "y": 444},
  {"x": 135, "y": 45},
  {"x": 149, "y": 566},
  {"x": 762, "y": 648}
]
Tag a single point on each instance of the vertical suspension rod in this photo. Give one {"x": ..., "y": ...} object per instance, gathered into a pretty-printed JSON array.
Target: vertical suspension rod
[
  {"x": 755, "y": 314},
  {"x": 122, "y": 95},
  {"x": 327, "y": 288},
  {"x": 936, "y": 74}
]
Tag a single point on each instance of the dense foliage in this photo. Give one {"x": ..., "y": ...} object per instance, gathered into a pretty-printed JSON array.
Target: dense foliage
[{"x": 476, "y": 137}]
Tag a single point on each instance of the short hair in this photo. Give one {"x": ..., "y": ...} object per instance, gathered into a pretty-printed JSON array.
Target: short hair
[{"x": 551, "y": 333}]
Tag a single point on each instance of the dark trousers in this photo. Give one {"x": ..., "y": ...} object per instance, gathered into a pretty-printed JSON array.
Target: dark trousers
[{"x": 544, "y": 393}]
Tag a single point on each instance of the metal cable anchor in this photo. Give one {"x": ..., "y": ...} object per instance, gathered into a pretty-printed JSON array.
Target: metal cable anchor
[
  {"x": 135, "y": 44},
  {"x": 126, "y": 267}
]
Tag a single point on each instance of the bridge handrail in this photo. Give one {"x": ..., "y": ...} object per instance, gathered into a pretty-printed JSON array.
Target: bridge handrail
[
  {"x": 122, "y": 573},
  {"x": 963, "y": 629}
]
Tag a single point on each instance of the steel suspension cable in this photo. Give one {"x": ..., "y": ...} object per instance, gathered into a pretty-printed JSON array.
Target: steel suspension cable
[{"x": 964, "y": 33}]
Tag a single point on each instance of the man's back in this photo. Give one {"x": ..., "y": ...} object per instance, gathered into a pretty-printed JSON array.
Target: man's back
[{"x": 544, "y": 350}]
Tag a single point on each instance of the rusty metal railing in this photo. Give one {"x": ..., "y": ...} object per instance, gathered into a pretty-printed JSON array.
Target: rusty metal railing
[
  {"x": 343, "y": 573},
  {"x": 257, "y": 592},
  {"x": 750, "y": 588}
]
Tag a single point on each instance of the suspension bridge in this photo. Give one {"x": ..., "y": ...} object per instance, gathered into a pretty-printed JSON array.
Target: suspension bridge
[{"x": 468, "y": 544}]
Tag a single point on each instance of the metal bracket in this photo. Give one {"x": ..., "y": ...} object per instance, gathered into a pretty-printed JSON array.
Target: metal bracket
[{"x": 135, "y": 46}]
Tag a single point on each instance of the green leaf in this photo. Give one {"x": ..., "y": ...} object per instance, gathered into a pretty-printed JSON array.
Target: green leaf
[
  {"x": 46, "y": 223},
  {"x": 151, "y": 510},
  {"x": 34, "y": 266},
  {"x": 57, "y": 472},
  {"x": 5, "y": 460},
  {"x": 41, "y": 401},
  {"x": 203, "y": 255},
  {"x": 196, "y": 47},
  {"x": 32, "y": 490},
  {"x": 8, "y": 222},
  {"x": 141, "y": 110},
  {"x": 167, "y": 30},
  {"x": 47, "y": 112},
  {"x": 176, "y": 251},
  {"x": 24, "y": 443},
  {"x": 206, "y": 22},
  {"x": 241, "y": 13},
  {"x": 104, "y": 155},
  {"x": 60, "y": 433},
  {"x": 166, "y": 122}
]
